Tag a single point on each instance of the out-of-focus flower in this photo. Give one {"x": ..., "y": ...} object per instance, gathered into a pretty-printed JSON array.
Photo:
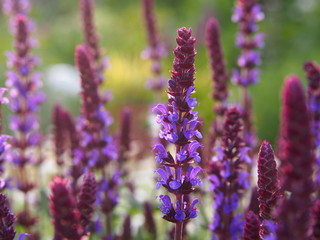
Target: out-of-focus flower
[
  {"x": 252, "y": 226},
  {"x": 64, "y": 211},
  {"x": 228, "y": 179},
  {"x": 7, "y": 231},
  {"x": 296, "y": 165}
]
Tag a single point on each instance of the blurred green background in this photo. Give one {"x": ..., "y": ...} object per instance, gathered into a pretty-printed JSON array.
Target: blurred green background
[{"x": 292, "y": 37}]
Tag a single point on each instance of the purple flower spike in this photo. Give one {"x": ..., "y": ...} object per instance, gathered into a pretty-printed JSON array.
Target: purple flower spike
[
  {"x": 179, "y": 127},
  {"x": 59, "y": 116},
  {"x": 296, "y": 167},
  {"x": 25, "y": 98},
  {"x": 219, "y": 77},
  {"x": 228, "y": 179},
  {"x": 86, "y": 199},
  {"x": 7, "y": 231},
  {"x": 313, "y": 76},
  {"x": 91, "y": 39},
  {"x": 268, "y": 186},
  {"x": 94, "y": 121},
  {"x": 247, "y": 13},
  {"x": 65, "y": 214},
  {"x": 251, "y": 230},
  {"x": 155, "y": 51}
]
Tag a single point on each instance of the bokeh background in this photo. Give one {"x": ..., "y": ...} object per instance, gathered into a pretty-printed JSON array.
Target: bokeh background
[{"x": 292, "y": 37}]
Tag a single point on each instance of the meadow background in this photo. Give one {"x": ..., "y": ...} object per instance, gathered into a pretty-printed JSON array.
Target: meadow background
[{"x": 292, "y": 37}]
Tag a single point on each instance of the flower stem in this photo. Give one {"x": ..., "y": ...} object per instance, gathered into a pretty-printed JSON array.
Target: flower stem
[{"x": 179, "y": 224}]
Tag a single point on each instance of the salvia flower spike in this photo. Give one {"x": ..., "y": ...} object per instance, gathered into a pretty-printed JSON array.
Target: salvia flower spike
[
  {"x": 252, "y": 226},
  {"x": 296, "y": 166},
  {"x": 247, "y": 13},
  {"x": 219, "y": 74},
  {"x": 229, "y": 179},
  {"x": 25, "y": 99},
  {"x": 95, "y": 120},
  {"x": 156, "y": 50},
  {"x": 86, "y": 199},
  {"x": 91, "y": 39},
  {"x": 268, "y": 186},
  {"x": 313, "y": 76},
  {"x": 64, "y": 211},
  {"x": 179, "y": 123},
  {"x": 7, "y": 219},
  {"x": 219, "y": 77}
]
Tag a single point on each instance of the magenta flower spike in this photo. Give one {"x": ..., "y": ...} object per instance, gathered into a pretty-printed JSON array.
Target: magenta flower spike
[
  {"x": 60, "y": 132},
  {"x": 98, "y": 145},
  {"x": 91, "y": 39},
  {"x": 252, "y": 226},
  {"x": 229, "y": 180},
  {"x": 219, "y": 78},
  {"x": 268, "y": 186},
  {"x": 219, "y": 74},
  {"x": 313, "y": 76},
  {"x": 86, "y": 199},
  {"x": 64, "y": 211},
  {"x": 155, "y": 51},
  {"x": 7, "y": 219},
  {"x": 296, "y": 167},
  {"x": 179, "y": 127}
]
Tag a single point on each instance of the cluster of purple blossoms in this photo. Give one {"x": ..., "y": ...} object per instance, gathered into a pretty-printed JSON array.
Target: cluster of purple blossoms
[
  {"x": 98, "y": 145},
  {"x": 179, "y": 127},
  {"x": 247, "y": 13},
  {"x": 229, "y": 179},
  {"x": 25, "y": 99},
  {"x": 24, "y": 94}
]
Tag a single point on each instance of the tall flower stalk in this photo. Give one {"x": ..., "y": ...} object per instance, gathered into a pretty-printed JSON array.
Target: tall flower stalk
[
  {"x": 313, "y": 76},
  {"x": 297, "y": 159},
  {"x": 179, "y": 121},
  {"x": 219, "y": 77},
  {"x": 155, "y": 50},
  {"x": 97, "y": 145},
  {"x": 247, "y": 13},
  {"x": 91, "y": 39},
  {"x": 25, "y": 99},
  {"x": 229, "y": 179}
]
